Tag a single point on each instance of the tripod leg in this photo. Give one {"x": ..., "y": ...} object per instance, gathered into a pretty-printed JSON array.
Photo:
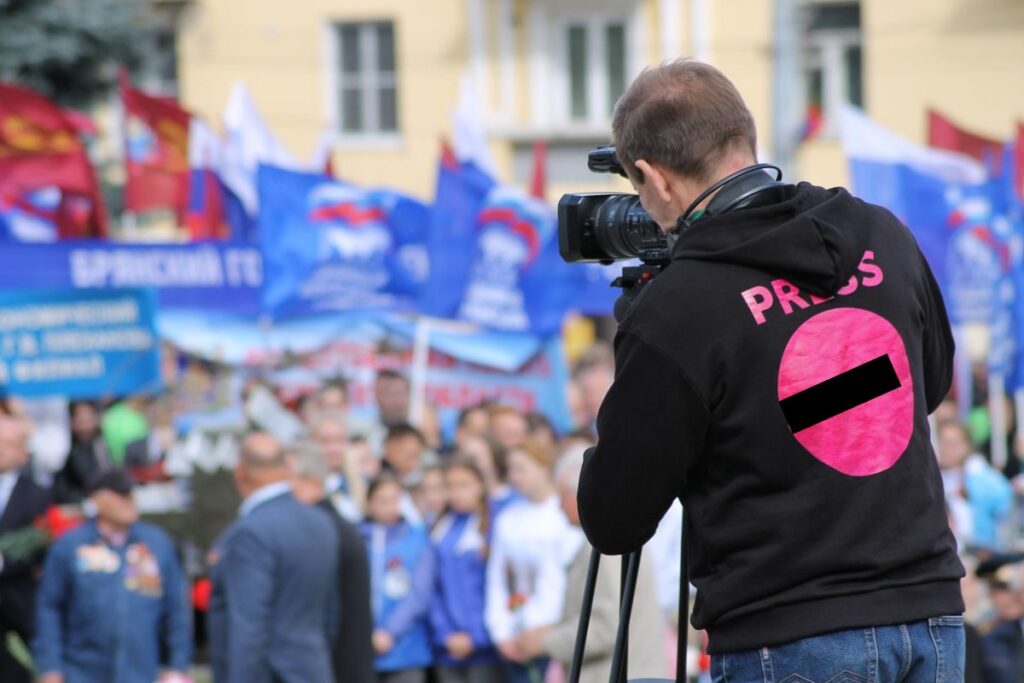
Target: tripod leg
[
  {"x": 683, "y": 645},
  {"x": 584, "y": 624},
  {"x": 620, "y": 654}
]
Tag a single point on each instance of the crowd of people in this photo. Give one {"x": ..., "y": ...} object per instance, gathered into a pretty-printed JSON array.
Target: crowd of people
[
  {"x": 985, "y": 503},
  {"x": 375, "y": 550},
  {"x": 362, "y": 551}
]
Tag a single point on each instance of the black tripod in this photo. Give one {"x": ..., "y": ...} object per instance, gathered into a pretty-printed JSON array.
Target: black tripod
[{"x": 620, "y": 655}]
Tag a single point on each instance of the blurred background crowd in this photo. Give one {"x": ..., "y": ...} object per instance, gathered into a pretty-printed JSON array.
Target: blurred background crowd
[
  {"x": 196, "y": 320},
  {"x": 467, "y": 563}
]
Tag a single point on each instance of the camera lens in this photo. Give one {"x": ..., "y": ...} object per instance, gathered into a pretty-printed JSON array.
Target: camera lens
[{"x": 624, "y": 230}]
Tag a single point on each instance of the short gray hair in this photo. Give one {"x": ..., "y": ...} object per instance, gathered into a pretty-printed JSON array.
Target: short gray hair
[
  {"x": 327, "y": 417},
  {"x": 307, "y": 461}
]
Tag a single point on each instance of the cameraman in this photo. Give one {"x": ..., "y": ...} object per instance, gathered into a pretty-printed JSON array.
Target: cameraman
[{"x": 777, "y": 377}]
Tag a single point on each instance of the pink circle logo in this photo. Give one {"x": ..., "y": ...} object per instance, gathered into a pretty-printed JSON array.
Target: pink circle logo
[{"x": 846, "y": 391}]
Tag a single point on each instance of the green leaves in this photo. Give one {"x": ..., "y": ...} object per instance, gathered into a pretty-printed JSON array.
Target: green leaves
[{"x": 69, "y": 50}]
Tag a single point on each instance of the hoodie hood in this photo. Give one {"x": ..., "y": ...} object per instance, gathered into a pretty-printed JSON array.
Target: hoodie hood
[{"x": 799, "y": 239}]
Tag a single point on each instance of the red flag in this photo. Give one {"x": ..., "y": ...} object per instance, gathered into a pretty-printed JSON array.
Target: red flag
[
  {"x": 83, "y": 123},
  {"x": 156, "y": 151},
  {"x": 448, "y": 154},
  {"x": 538, "y": 184},
  {"x": 39, "y": 147},
  {"x": 944, "y": 134}
]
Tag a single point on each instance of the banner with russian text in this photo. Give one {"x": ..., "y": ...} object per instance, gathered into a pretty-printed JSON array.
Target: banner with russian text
[
  {"x": 81, "y": 345},
  {"x": 466, "y": 364},
  {"x": 207, "y": 276}
]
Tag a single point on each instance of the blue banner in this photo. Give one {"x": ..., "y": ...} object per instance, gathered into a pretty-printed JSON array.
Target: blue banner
[
  {"x": 82, "y": 345},
  {"x": 211, "y": 276},
  {"x": 539, "y": 385},
  {"x": 330, "y": 246}
]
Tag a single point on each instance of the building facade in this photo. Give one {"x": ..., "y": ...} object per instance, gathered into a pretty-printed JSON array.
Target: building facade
[{"x": 387, "y": 74}]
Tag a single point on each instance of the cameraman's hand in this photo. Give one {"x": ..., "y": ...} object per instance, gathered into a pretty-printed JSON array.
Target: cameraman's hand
[
  {"x": 509, "y": 649},
  {"x": 52, "y": 677}
]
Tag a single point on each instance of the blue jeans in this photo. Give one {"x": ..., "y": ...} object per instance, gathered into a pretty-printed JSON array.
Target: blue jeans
[{"x": 928, "y": 651}]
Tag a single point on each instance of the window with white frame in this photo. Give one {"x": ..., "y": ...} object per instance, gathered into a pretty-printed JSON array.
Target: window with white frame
[
  {"x": 832, "y": 63},
  {"x": 594, "y": 54},
  {"x": 367, "y": 87}
]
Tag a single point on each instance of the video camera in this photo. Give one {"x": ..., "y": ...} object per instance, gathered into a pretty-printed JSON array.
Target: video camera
[{"x": 604, "y": 227}]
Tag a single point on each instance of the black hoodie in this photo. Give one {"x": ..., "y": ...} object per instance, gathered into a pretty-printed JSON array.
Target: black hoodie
[{"x": 777, "y": 377}]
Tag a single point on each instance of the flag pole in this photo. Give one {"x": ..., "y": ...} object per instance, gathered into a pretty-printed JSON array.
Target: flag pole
[
  {"x": 997, "y": 409},
  {"x": 962, "y": 374},
  {"x": 418, "y": 373}
]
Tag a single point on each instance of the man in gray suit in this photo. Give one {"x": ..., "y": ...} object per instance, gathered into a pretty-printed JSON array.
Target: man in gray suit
[{"x": 274, "y": 579}]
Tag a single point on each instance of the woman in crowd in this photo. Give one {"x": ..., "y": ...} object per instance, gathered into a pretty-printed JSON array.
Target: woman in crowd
[
  {"x": 463, "y": 648},
  {"x": 526, "y": 568},
  {"x": 490, "y": 458},
  {"x": 429, "y": 495},
  {"x": 402, "y": 578}
]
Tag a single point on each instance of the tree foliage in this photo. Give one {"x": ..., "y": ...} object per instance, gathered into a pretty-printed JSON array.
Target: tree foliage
[{"x": 69, "y": 50}]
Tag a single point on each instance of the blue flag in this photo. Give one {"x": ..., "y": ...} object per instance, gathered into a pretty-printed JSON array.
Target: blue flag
[
  {"x": 946, "y": 201},
  {"x": 594, "y": 294},
  {"x": 331, "y": 246},
  {"x": 462, "y": 189},
  {"x": 518, "y": 280}
]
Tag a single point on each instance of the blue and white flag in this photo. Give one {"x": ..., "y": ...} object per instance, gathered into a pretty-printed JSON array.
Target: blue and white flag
[
  {"x": 518, "y": 280},
  {"x": 330, "y": 246},
  {"x": 945, "y": 200},
  {"x": 248, "y": 144}
]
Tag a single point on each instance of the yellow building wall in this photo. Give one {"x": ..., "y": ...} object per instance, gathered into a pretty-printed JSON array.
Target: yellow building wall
[
  {"x": 280, "y": 50},
  {"x": 740, "y": 43},
  {"x": 964, "y": 57}
]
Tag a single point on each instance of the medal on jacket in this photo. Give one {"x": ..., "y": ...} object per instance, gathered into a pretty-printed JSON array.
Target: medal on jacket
[
  {"x": 97, "y": 558},
  {"x": 397, "y": 582},
  {"x": 142, "y": 571}
]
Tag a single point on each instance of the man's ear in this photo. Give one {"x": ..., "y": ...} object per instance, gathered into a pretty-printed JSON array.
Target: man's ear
[{"x": 657, "y": 179}]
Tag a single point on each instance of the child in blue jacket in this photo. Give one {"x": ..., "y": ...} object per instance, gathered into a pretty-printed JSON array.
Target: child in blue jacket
[
  {"x": 401, "y": 581},
  {"x": 463, "y": 648}
]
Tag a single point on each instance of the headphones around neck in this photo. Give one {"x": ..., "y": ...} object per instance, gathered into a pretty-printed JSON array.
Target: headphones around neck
[{"x": 729, "y": 202}]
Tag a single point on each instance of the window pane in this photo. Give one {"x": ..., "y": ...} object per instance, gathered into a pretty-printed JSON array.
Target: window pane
[
  {"x": 577, "y": 72},
  {"x": 385, "y": 46},
  {"x": 854, "y": 76},
  {"x": 349, "y": 48},
  {"x": 388, "y": 110},
  {"x": 834, "y": 15},
  {"x": 615, "y": 40},
  {"x": 352, "y": 110}
]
